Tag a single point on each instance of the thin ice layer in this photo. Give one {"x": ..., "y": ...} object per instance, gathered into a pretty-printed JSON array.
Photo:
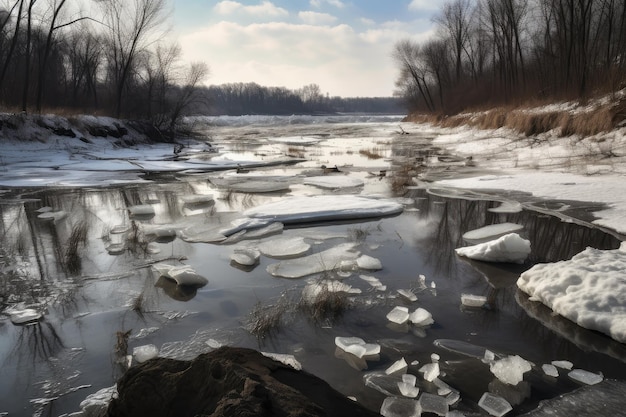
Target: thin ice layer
[{"x": 589, "y": 289}]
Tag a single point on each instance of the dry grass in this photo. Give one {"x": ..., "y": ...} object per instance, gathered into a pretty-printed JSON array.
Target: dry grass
[
  {"x": 373, "y": 153},
  {"x": 266, "y": 319},
  {"x": 77, "y": 239},
  {"x": 326, "y": 307},
  {"x": 295, "y": 152}
]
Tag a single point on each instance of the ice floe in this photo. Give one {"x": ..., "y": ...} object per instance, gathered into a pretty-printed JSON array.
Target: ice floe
[
  {"x": 323, "y": 208},
  {"x": 589, "y": 289},
  {"x": 184, "y": 275},
  {"x": 494, "y": 404},
  {"x": 333, "y": 182},
  {"x": 491, "y": 232},
  {"x": 421, "y": 317},
  {"x": 398, "y": 366},
  {"x": 508, "y": 248},
  {"x": 585, "y": 377},
  {"x": 145, "y": 353},
  {"x": 511, "y": 369},
  {"x": 245, "y": 256},
  {"x": 96, "y": 404},
  {"x": 284, "y": 247},
  {"x": 357, "y": 346},
  {"x": 398, "y": 315},
  {"x": 471, "y": 300},
  {"x": 327, "y": 260}
]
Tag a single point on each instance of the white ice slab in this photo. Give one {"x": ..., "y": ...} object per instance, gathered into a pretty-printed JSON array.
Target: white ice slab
[
  {"x": 494, "y": 405},
  {"x": 327, "y": 260},
  {"x": 511, "y": 369},
  {"x": 400, "y": 407},
  {"x": 589, "y": 289},
  {"x": 585, "y": 377},
  {"x": 508, "y": 248},
  {"x": 421, "y": 317},
  {"x": 324, "y": 207},
  {"x": 430, "y": 371},
  {"x": 333, "y": 182},
  {"x": 245, "y": 256},
  {"x": 284, "y": 247},
  {"x": 183, "y": 274},
  {"x": 491, "y": 232},
  {"x": 398, "y": 315},
  {"x": 471, "y": 300},
  {"x": 397, "y": 367},
  {"x": 145, "y": 352}
]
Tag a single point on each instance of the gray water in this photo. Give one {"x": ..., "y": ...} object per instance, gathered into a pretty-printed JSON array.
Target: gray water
[{"x": 90, "y": 295}]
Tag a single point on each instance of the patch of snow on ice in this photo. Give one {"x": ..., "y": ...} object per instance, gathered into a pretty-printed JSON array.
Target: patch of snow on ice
[
  {"x": 491, "y": 232},
  {"x": 589, "y": 289}
]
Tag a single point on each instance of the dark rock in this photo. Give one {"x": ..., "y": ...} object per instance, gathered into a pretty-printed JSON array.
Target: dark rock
[
  {"x": 62, "y": 131},
  {"x": 227, "y": 382}
]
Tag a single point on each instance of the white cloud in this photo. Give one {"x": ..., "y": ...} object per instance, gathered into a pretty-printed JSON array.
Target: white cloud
[
  {"x": 367, "y": 22},
  {"x": 425, "y": 5},
  {"x": 315, "y": 18},
  {"x": 266, "y": 9},
  {"x": 318, "y": 3}
]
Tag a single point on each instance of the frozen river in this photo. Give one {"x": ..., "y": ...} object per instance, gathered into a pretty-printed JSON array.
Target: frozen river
[{"x": 84, "y": 257}]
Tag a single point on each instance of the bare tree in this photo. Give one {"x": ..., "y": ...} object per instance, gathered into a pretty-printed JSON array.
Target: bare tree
[
  {"x": 132, "y": 25},
  {"x": 455, "y": 21}
]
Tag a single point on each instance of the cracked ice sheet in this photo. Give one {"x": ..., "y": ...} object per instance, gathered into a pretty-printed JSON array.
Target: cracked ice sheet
[
  {"x": 589, "y": 289},
  {"x": 607, "y": 189},
  {"x": 327, "y": 260}
]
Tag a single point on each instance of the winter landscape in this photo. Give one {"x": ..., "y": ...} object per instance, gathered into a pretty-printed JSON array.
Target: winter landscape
[{"x": 371, "y": 252}]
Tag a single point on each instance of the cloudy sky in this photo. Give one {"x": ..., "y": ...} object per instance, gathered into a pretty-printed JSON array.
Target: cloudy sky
[{"x": 344, "y": 46}]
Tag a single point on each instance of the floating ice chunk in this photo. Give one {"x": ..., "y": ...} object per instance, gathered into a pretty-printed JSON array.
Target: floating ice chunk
[
  {"x": 381, "y": 382},
  {"x": 471, "y": 300},
  {"x": 563, "y": 364},
  {"x": 313, "y": 290},
  {"x": 183, "y": 275},
  {"x": 374, "y": 282},
  {"x": 244, "y": 224},
  {"x": 434, "y": 357},
  {"x": 284, "y": 247},
  {"x": 430, "y": 371},
  {"x": 431, "y": 403},
  {"x": 357, "y": 346},
  {"x": 214, "y": 344},
  {"x": 511, "y": 369},
  {"x": 400, "y": 407},
  {"x": 52, "y": 215},
  {"x": 245, "y": 256},
  {"x": 398, "y": 366},
  {"x": 491, "y": 232},
  {"x": 369, "y": 263},
  {"x": 421, "y": 317},
  {"x": 333, "y": 182},
  {"x": 588, "y": 289},
  {"x": 286, "y": 359},
  {"x": 507, "y": 207},
  {"x": 508, "y": 248},
  {"x": 327, "y": 260},
  {"x": 409, "y": 379},
  {"x": 407, "y": 390},
  {"x": 343, "y": 342},
  {"x": 398, "y": 315},
  {"x": 27, "y": 315},
  {"x": 96, "y": 404},
  {"x": 119, "y": 229},
  {"x": 44, "y": 209},
  {"x": 494, "y": 405},
  {"x": 145, "y": 352},
  {"x": 408, "y": 294},
  {"x": 586, "y": 377},
  {"x": 324, "y": 207},
  {"x": 489, "y": 356},
  {"x": 550, "y": 370}
]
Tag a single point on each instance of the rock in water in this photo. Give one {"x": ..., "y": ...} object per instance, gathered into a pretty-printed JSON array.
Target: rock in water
[{"x": 227, "y": 382}]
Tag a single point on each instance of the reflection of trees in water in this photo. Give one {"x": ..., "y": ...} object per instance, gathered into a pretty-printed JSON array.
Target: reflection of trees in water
[{"x": 35, "y": 342}]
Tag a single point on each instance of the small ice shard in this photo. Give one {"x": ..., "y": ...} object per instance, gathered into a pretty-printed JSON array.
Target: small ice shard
[
  {"x": 508, "y": 248},
  {"x": 444, "y": 389},
  {"x": 430, "y": 371},
  {"x": 116, "y": 248},
  {"x": 409, "y": 379},
  {"x": 550, "y": 370},
  {"x": 374, "y": 282},
  {"x": 357, "y": 346},
  {"x": 511, "y": 369},
  {"x": 434, "y": 357},
  {"x": 359, "y": 364},
  {"x": 400, "y": 407},
  {"x": 563, "y": 364},
  {"x": 27, "y": 315},
  {"x": 144, "y": 332},
  {"x": 453, "y": 398},
  {"x": 585, "y": 377},
  {"x": 471, "y": 300},
  {"x": 408, "y": 294},
  {"x": 245, "y": 256},
  {"x": 398, "y": 315},
  {"x": 142, "y": 210},
  {"x": 44, "y": 209},
  {"x": 369, "y": 263},
  {"x": 491, "y": 232},
  {"x": 52, "y": 215},
  {"x": 408, "y": 390},
  {"x": 214, "y": 344},
  {"x": 145, "y": 352},
  {"x": 509, "y": 207},
  {"x": 398, "y": 366},
  {"x": 381, "y": 382},
  {"x": 494, "y": 405},
  {"x": 431, "y": 403},
  {"x": 421, "y": 317},
  {"x": 283, "y": 247},
  {"x": 312, "y": 291},
  {"x": 343, "y": 342},
  {"x": 489, "y": 356},
  {"x": 286, "y": 359}
]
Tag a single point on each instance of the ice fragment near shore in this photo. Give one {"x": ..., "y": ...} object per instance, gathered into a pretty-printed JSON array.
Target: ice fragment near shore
[
  {"x": 563, "y": 364},
  {"x": 430, "y": 371},
  {"x": 357, "y": 346},
  {"x": 374, "y": 282},
  {"x": 471, "y": 300},
  {"x": 494, "y": 405},
  {"x": 400, "y": 407},
  {"x": 511, "y": 369},
  {"x": 327, "y": 260},
  {"x": 245, "y": 256},
  {"x": 491, "y": 232},
  {"x": 398, "y": 366},
  {"x": 183, "y": 274},
  {"x": 369, "y": 263},
  {"x": 286, "y": 359},
  {"x": 27, "y": 315},
  {"x": 407, "y": 386},
  {"x": 284, "y": 247},
  {"x": 588, "y": 289},
  {"x": 586, "y": 377},
  {"x": 508, "y": 248},
  {"x": 550, "y": 370},
  {"x": 96, "y": 404},
  {"x": 398, "y": 315},
  {"x": 408, "y": 294},
  {"x": 145, "y": 352}
]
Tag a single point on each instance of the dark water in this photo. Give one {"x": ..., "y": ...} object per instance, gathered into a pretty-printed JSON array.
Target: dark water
[{"x": 90, "y": 295}]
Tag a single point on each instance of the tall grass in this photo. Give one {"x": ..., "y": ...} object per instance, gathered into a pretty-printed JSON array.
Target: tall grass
[{"x": 76, "y": 241}]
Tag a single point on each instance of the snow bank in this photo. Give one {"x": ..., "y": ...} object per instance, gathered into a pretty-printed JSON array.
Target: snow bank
[
  {"x": 589, "y": 289},
  {"x": 508, "y": 248}
]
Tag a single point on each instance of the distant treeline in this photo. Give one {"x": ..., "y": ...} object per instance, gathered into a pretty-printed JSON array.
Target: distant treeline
[
  {"x": 250, "y": 98},
  {"x": 493, "y": 52}
]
